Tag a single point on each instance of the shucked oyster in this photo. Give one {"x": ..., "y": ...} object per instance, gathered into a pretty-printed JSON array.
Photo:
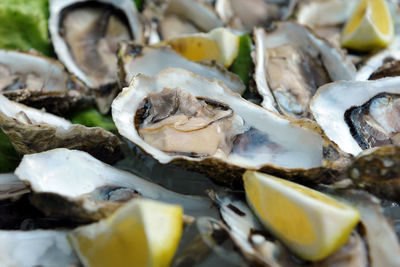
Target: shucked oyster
[
  {"x": 31, "y": 130},
  {"x": 85, "y": 36},
  {"x": 291, "y": 63},
  {"x": 185, "y": 119},
  {"x": 147, "y": 60},
  {"x": 84, "y": 188},
  {"x": 37, "y": 81},
  {"x": 357, "y": 115}
]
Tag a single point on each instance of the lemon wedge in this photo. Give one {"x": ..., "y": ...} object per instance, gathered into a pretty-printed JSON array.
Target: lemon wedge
[
  {"x": 370, "y": 27},
  {"x": 219, "y": 44},
  {"x": 311, "y": 224},
  {"x": 141, "y": 233}
]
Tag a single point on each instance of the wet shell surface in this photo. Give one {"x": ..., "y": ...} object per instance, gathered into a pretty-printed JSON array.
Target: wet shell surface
[
  {"x": 31, "y": 130},
  {"x": 147, "y": 60},
  {"x": 263, "y": 140},
  {"x": 91, "y": 190},
  {"x": 357, "y": 115},
  {"x": 38, "y": 81},
  {"x": 89, "y": 52},
  {"x": 291, "y": 63}
]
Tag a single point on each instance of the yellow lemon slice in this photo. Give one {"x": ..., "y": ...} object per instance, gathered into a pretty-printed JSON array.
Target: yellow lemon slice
[
  {"x": 370, "y": 27},
  {"x": 311, "y": 224},
  {"x": 219, "y": 44},
  {"x": 141, "y": 233}
]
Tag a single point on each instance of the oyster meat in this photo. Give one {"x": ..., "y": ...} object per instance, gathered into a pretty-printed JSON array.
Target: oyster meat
[
  {"x": 176, "y": 101},
  {"x": 291, "y": 63}
]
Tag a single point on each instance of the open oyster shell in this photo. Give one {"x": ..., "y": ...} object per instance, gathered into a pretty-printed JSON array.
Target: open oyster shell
[
  {"x": 85, "y": 36},
  {"x": 11, "y": 187},
  {"x": 86, "y": 189},
  {"x": 147, "y": 60},
  {"x": 373, "y": 243},
  {"x": 36, "y": 248},
  {"x": 326, "y": 17},
  {"x": 384, "y": 61},
  {"x": 245, "y": 15},
  {"x": 291, "y": 63},
  {"x": 357, "y": 115},
  {"x": 377, "y": 170},
  {"x": 39, "y": 81},
  {"x": 263, "y": 140},
  {"x": 31, "y": 130},
  {"x": 179, "y": 17}
]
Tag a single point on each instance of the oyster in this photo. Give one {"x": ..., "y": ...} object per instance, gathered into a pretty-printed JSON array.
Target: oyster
[
  {"x": 85, "y": 35},
  {"x": 357, "y": 115},
  {"x": 245, "y": 15},
  {"x": 377, "y": 170},
  {"x": 36, "y": 248},
  {"x": 91, "y": 190},
  {"x": 206, "y": 242},
  {"x": 147, "y": 60},
  {"x": 291, "y": 63},
  {"x": 380, "y": 238},
  {"x": 31, "y": 130},
  {"x": 38, "y": 81},
  {"x": 381, "y": 65},
  {"x": 326, "y": 17},
  {"x": 11, "y": 186},
  {"x": 178, "y": 17},
  {"x": 260, "y": 248},
  {"x": 225, "y": 133}
]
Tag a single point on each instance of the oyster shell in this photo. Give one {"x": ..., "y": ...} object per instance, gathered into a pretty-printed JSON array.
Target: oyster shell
[
  {"x": 245, "y": 15},
  {"x": 206, "y": 242},
  {"x": 36, "y": 248},
  {"x": 357, "y": 115},
  {"x": 38, "y": 81},
  {"x": 291, "y": 63},
  {"x": 376, "y": 64},
  {"x": 260, "y": 248},
  {"x": 31, "y": 130},
  {"x": 377, "y": 170},
  {"x": 262, "y": 140},
  {"x": 378, "y": 233},
  {"x": 91, "y": 190},
  {"x": 147, "y": 60},
  {"x": 178, "y": 17},
  {"x": 11, "y": 187},
  {"x": 326, "y": 17},
  {"x": 89, "y": 51}
]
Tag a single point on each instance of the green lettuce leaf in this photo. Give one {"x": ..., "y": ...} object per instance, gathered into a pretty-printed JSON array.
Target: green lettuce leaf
[{"x": 24, "y": 25}]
